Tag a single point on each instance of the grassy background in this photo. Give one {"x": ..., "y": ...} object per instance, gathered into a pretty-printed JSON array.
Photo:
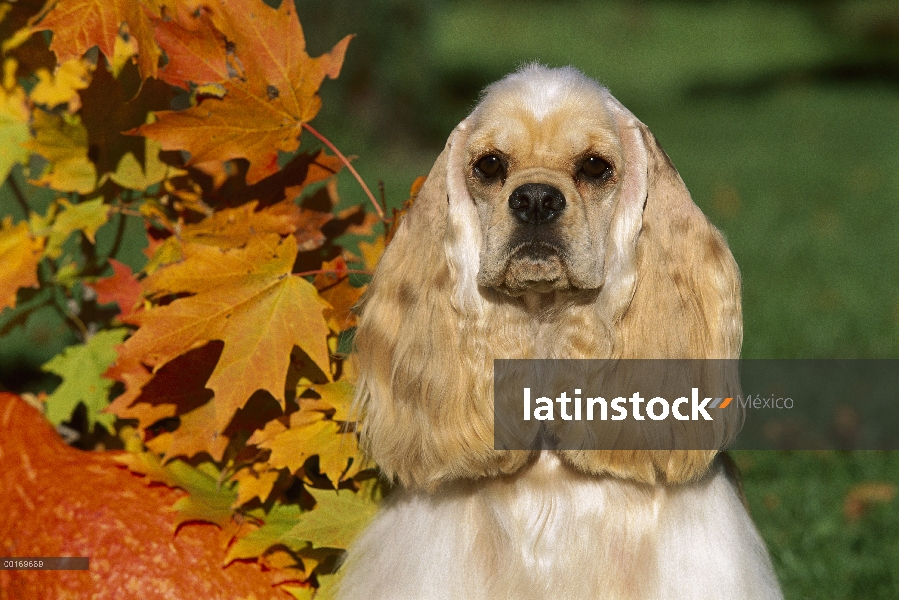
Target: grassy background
[{"x": 783, "y": 119}]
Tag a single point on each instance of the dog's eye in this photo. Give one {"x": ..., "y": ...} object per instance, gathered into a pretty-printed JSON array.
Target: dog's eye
[
  {"x": 490, "y": 166},
  {"x": 596, "y": 168}
]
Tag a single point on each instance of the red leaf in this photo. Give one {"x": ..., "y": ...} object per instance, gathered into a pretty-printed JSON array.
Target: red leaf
[{"x": 122, "y": 287}]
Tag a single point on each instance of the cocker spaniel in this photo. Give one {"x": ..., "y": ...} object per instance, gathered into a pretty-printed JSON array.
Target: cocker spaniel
[{"x": 551, "y": 226}]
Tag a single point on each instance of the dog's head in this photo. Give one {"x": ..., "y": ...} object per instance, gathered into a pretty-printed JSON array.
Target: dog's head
[
  {"x": 551, "y": 226},
  {"x": 544, "y": 166}
]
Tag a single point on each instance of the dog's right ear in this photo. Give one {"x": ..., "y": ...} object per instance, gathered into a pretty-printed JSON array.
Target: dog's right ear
[{"x": 421, "y": 398}]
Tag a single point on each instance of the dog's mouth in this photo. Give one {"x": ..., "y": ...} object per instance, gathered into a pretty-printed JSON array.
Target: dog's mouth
[{"x": 535, "y": 267}]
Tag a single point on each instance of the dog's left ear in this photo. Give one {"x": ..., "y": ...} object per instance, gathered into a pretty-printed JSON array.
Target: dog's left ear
[
  {"x": 686, "y": 300},
  {"x": 672, "y": 292}
]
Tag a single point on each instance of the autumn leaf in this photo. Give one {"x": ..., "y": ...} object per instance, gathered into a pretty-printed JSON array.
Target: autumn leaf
[
  {"x": 20, "y": 253},
  {"x": 311, "y": 433},
  {"x": 233, "y": 228},
  {"x": 209, "y": 497},
  {"x": 135, "y": 174},
  {"x": 177, "y": 388},
  {"x": 62, "y": 86},
  {"x": 81, "y": 369},
  {"x": 245, "y": 297},
  {"x": 335, "y": 288},
  {"x": 270, "y": 87},
  {"x": 336, "y": 520},
  {"x": 63, "y": 219},
  {"x": 79, "y": 25},
  {"x": 256, "y": 481},
  {"x": 195, "y": 49},
  {"x": 122, "y": 287},
  {"x": 863, "y": 496},
  {"x": 62, "y": 140},
  {"x": 276, "y": 530},
  {"x": 14, "y": 117},
  {"x": 339, "y": 395}
]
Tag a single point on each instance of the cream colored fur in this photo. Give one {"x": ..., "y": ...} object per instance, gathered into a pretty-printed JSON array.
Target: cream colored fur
[{"x": 637, "y": 271}]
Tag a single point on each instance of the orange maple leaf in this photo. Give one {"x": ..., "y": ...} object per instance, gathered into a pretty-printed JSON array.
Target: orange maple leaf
[
  {"x": 79, "y": 25},
  {"x": 270, "y": 89},
  {"x": 245, "y": 297},
  {"x": 122, "y": 287}
]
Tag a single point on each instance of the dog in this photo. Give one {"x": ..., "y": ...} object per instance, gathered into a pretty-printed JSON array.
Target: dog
[{"x": 552, "y": 225}]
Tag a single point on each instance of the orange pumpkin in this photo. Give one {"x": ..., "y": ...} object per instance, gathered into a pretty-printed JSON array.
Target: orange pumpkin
[{"x": 59, "y": 501}]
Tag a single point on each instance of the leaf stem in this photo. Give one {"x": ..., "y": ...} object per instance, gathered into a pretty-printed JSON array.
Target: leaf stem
[{"x": 344, "y": 160}]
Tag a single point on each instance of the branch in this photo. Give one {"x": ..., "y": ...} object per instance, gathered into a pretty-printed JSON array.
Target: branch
[{"x": 344, "y": 160}]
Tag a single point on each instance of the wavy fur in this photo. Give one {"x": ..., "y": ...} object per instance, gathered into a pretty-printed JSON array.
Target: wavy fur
[{"x": 638, "y": 272}]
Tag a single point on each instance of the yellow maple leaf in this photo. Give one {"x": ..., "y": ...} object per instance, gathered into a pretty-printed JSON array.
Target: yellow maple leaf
[
  {"x": 20, "y": 252},
  {"x": 64, "y": 218},
  {"x": 245, "y": 297},
  {"x": 63, "y": 140},
  {"x": 62, "y": 86}
]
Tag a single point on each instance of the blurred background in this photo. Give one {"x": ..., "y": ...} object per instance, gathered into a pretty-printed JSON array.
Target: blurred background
[{"x": 783, "y": 120}]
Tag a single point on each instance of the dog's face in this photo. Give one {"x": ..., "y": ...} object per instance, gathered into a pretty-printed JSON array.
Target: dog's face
[
  {"x": 544, "y": 175},
  {"x": 552, "y": 225}
]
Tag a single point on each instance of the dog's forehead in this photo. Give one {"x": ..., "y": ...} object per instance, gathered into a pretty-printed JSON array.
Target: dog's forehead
[{"x": 543, "y": 114}]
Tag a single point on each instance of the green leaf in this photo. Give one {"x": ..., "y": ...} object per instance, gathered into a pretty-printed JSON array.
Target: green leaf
[
  {"x": 14, "y": 115},
  {"x": 276, "y": 531},
  {"x": 338, "y": 517},
  {"x": 209, "y": 498},
  {"x": 81, "y": 369}
]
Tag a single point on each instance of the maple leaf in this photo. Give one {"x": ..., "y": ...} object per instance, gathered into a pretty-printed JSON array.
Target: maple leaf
[
  {"x": 62, "y": 140},
  {"x": 233, "y": 228},
  {"x": 338, "y": 517},
  {"x": 177, "y": 388},
  {"x": 122, "y": 287},
  {"x": 14, "y": 117},
  {"x": 81, "y": 369},
  {"x": 79, "y": 25},
  {"x": 209, "y": 498},
  {"x": 64, "y": 218},
  {"x": 255, "y": 481},
  {"x": 131, "y": 174},
  {"x": 275, "y": 531},
  {"x": 270, "y": 87},
  {"x": 195, "y": 49},
  {"x": 244, "y": 297},
  {"x": 62, "y": 86},
  {"x": 335, "y": 288},
  {"x": 113, "y": 105},
  {"x": 310, "y": 433},
  {"x": 20, "y": 253}
]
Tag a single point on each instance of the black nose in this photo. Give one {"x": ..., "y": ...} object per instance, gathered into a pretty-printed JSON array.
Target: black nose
[{"x": 536, "y": 203}]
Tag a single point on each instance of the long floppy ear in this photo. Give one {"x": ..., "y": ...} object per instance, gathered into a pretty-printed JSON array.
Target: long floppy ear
[
  {"x": 424, "y": 415},
  {"x": 674, "y": 294}
]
